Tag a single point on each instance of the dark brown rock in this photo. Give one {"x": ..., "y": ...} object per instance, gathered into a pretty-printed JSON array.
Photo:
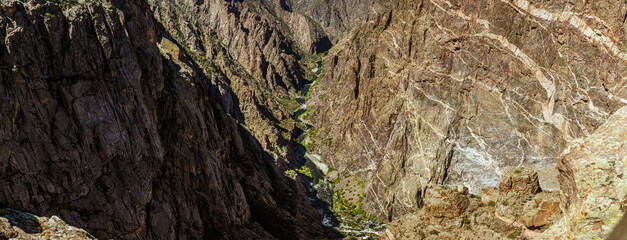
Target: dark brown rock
[
  {"x": 21, "y": 225},
  {"x": 100, "y": 128}
]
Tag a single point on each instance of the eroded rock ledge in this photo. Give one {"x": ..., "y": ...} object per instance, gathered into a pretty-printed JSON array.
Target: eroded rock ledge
[{"x": 518, "y": 209}]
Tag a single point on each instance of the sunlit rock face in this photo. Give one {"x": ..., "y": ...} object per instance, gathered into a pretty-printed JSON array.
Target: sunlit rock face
[
  {"x": 593, "y": 176},
  {"x": 452, "y": 92}
]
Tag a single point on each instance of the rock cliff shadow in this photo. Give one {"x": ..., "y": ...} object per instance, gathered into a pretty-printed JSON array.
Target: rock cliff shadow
[
  {"x": 258, "y": 162},
  {"x": 25, "y": 221}
]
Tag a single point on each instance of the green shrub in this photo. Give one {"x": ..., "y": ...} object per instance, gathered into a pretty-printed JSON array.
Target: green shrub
[
  {"x": 304, "y": 170},
  {"x": 465, "y": 221},
  {"x": 50, "y": 15},
  {"x": 290, "y": 174}
]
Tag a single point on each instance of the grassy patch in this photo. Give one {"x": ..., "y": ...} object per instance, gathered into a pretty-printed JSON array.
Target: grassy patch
[
  {"x": 311, "y": 145},
  {"x": 305, "y": 171},
  {"x": 290, "y": 174},
  {"x": 350, "y": 210}
]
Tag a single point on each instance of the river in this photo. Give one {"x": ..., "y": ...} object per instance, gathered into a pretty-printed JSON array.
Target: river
[{"x": 320, "y": 190}]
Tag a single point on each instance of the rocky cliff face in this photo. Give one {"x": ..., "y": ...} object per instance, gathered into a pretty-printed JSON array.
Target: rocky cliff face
[
  {"x": 593, "y": 176},
  {"x": 174, "y": 119},
  {"x": 519, "y": 209},
  {"x": 243, "y": 42},
  {"x": 452, "y": 92},
  {"x": 336, "y": 18},
  {"x": 109, "y": 124}
]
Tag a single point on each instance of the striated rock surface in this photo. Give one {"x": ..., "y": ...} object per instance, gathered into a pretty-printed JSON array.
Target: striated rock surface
[
  {"x": 593, "y": 176},
  {"x": 21, "y": 225},
  {"x": 251, "y": 33},
  {"x": 110, "y": 124},
  {"x": 453, "y": 92}
]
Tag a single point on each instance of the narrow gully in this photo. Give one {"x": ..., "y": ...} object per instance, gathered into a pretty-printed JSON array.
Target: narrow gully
[{"x": 319, "y": 190}]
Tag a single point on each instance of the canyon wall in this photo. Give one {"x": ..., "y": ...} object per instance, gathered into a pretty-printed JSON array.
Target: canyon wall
[
  {"x": 452, "y": 92},
  {"x": 107, "y": 122}
]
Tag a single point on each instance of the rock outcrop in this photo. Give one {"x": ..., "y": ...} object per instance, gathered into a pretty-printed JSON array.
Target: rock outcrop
[
  {"x": 109, "y": 123},
  {"x": 520, "y": 179},
  {"x": 452, "y": 92},
  {"x": 521, "y": 200},
  {"x": 153, "y": 119},
  {"x": 21, "y": 225},
  {"x": 511, "y": 213},
  {"x": 441, "y": 203},
  {"x": 593, "y": 176}
]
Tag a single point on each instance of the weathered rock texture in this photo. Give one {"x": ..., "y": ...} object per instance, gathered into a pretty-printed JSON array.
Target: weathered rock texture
[
  {"x": 336, "y": 18},
  {"x": 510, "y": 213},
  {"x": 243, "y": 42},
  {"x": 250, "y": 32},
  {"x": 521, "y": 201},
  {"x": 108, "y": 123},
  {"x": 593, "y": 176},
  {"x": 473, "y": 221},
  {"x": 440, "y": 202},
  {"x": 21, "y": 225},
  {"x": 520, "y": 179},
  {"x": 452, "y": 92}
]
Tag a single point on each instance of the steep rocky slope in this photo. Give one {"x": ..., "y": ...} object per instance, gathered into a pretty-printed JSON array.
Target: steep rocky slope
[
  {"x": 452, "y": 92},
  {"x": 250, "y": 32},
  {"x": 262, "y": 47},
  {"x": 593, "y": 176},
  {"x": 109, "y": 124},
  {"x": 254, "y": 55},
  {"x": 336, "y": 18}
]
